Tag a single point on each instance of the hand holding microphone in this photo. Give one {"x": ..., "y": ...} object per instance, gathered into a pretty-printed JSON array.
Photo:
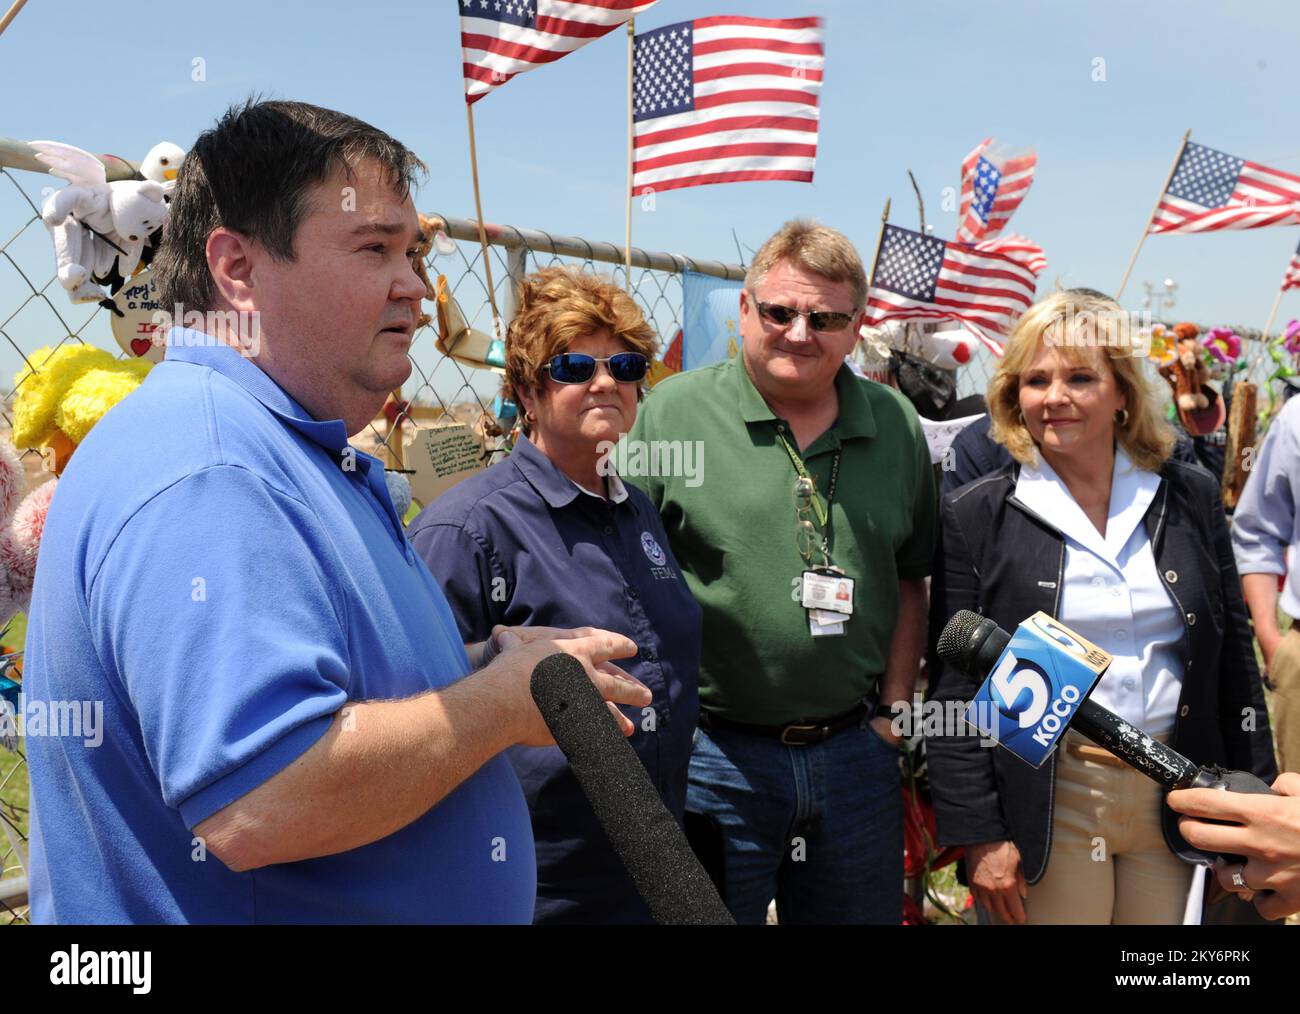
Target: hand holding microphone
[
  {"x": 593, "y": 651},
  {"x": 1264, "y": 831},
  {"x": 1036, "y": 685}
]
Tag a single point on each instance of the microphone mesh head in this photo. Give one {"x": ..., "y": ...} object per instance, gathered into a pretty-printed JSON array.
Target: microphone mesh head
[{"x": 955, "y": 645}]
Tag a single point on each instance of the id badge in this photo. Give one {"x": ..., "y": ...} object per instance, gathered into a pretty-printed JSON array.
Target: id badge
[{"x": 827, "y": 588}]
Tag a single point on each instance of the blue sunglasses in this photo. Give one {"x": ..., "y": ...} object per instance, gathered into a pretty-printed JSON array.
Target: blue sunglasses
[{"x": 577, "y": 368}]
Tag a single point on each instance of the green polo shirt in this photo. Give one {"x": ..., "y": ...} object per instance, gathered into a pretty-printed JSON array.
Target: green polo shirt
[{"x": 731, "y": 521}]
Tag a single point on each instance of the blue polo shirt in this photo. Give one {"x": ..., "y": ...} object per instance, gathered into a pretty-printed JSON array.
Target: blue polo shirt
[
  {"x": 521, "y": 544},
  {"x": 224, "y": 573}
]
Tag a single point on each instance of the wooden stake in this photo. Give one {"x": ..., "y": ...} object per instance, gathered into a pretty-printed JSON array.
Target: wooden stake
[
  {"x": 1263, "y": 337},
  {"x": 11, "y": 13},
  {"x": 1146, "y": 228},
  {"x": 498, "y": 331},
  {"x": 627, "y": 256},
  {"x": 884, "y": 218},
  {"x": 1272, "y": 315}
]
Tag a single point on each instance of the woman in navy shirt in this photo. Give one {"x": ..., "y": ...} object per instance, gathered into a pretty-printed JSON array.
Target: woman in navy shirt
[{"x": 551, "y": 537}]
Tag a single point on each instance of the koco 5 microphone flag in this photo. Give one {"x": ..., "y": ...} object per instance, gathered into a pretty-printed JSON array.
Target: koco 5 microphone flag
[{"x": 1034, "y": 688}]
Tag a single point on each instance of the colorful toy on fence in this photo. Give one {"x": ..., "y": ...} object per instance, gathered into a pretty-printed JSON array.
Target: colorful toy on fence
[
  {"x": 100, "y": 229},
  {"x": 22, "y": 522},
  {"x": 1224, "y": 346},
  {"x": 1199, "y": 407},
  {"x": 431, "y": 227},
  {"x": 56, "y": 403},
  {"x": 1163, "y": 348},
  {"x": 64, "y": 392},
  {"x": 1291, "y": 338}
]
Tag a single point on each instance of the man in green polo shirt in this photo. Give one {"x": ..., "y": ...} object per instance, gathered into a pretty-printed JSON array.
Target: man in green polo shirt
[{"x": 805, "y": 529}]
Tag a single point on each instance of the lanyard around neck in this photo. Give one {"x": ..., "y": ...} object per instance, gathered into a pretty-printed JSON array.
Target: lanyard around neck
[{"x": 823, "y": 511}]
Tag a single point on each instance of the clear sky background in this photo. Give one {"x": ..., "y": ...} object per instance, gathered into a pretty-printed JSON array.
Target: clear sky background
[{"x": 908, "y": 85}]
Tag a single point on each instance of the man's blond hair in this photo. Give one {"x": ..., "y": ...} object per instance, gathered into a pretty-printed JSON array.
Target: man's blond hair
[{"x": 818, "y": 249}]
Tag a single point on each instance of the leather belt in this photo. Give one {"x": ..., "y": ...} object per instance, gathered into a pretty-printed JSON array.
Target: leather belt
[{"x": 806, "y": 732}]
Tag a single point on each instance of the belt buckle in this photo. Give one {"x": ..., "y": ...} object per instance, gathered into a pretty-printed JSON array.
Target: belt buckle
[{"x": 800, "y": 726}]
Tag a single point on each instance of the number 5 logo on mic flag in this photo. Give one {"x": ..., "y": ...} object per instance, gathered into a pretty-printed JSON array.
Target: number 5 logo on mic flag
[{"x": 1030, "y": 696}]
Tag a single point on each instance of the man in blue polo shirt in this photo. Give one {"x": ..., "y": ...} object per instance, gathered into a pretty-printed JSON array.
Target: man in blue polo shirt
[{"x": 290, "y": 731}]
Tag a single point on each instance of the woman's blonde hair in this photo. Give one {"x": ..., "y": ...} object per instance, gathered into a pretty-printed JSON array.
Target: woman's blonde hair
[
  {"x": 1080, "y": 324},
  {"x": 560, "y": 305}
]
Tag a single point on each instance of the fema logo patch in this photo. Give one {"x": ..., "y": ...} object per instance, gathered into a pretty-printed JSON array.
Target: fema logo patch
[{"x": 652, "y": 549}]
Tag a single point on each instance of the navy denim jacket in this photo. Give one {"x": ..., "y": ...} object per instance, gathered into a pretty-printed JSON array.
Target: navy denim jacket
[{"x": 520, "y": 544}]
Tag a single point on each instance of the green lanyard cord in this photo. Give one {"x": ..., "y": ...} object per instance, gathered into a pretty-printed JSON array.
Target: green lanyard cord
[{"x": 823, "y": 513}]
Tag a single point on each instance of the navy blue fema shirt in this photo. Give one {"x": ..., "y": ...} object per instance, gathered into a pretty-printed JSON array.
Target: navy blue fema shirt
[{"x": 521, "y": 544}]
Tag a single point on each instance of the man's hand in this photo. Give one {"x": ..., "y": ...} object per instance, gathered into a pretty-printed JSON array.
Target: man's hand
[
  {"x": 524, "y": 647},
  {"x": 884, "y": 727},
  {"x": 997, "y": 879},
  {"x": 1264, "y": 829}
]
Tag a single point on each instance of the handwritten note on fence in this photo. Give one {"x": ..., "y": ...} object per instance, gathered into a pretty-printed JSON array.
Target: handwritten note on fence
[{"x": 442, "y": 456}]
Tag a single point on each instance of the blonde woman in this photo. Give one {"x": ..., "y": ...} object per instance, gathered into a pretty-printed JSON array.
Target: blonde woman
[{"x": 1095, "y": 525}]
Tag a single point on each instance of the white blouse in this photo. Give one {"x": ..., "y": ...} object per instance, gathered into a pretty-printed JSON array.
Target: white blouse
[{"x": 1112, "y": 593}]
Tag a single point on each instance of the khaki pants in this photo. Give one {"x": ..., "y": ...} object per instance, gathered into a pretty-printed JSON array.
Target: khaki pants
[
  {"x": 1284, "y": 675},
  {"x": 1109, "y": 861}
]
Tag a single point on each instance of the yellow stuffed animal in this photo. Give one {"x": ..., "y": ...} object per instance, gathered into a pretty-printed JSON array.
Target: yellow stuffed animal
[{"x": 65, "y": 392}]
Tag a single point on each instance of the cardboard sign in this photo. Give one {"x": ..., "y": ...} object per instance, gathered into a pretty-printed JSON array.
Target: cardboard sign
[
  {"x": 442, "y": 456},
  {"x": 135, "y": 330}
]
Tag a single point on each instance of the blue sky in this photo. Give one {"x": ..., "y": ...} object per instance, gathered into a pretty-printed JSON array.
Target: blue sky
[{"x": 908, "y": 85}]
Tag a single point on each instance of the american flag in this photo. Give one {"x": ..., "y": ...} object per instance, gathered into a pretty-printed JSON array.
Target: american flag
[
  {"x": 1292, "y": 278},
  {"x": 1211, "y": 190},
  {"x": 992, "y": 187},
  {"x": 721, "y": 99},
  {"x": 925, "y": 278},
  {"x": 502, "y": 38},
  {"x": 1018, "y": 248}
]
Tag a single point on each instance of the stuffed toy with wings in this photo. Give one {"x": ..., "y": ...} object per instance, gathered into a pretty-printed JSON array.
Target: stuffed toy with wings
[{"x": 99, "y": 228}]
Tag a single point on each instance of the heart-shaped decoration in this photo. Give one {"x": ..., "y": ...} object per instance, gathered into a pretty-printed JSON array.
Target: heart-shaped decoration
[{"x": 140, "y": 346}]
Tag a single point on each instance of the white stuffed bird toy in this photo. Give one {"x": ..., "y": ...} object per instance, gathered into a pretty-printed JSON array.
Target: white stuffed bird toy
[{"x": 99, "y": 228}]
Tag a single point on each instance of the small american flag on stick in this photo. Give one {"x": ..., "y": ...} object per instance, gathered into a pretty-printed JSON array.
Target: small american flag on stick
[
  {"x": 1211, "y": 190},
  {"x": 1292, "y": 278},
  {"x": 502, "y": 38},
  {"x": 925, "y": 278},
  {"x": 722, "y": 99},
  {"x": 992, "y": 187}
]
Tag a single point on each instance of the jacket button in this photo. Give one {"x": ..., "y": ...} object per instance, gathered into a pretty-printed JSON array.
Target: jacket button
[
  {"x": 1171, "y": 576},
  {"x": 1191, "y": 619},
  {"x": 1182, "y": 712}
]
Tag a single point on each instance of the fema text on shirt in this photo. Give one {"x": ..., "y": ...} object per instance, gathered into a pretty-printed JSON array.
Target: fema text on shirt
[{"x": 655, "y": 458}]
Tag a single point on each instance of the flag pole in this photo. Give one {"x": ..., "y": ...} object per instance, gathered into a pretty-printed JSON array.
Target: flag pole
[
  {"x": 884, "y": 218},
  {"x": 1147, "y": 227},
  {"x": 1273, "y": 315},
  {"x": 11, "y": 14},
  {"x": 627, "y": 256},
  {"x": 497, "y": 331}
]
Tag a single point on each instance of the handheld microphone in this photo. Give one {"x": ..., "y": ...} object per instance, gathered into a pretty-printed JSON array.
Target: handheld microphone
[
  {"x": 644, "y": 834},
  {"x": 1036, "y": 686}
]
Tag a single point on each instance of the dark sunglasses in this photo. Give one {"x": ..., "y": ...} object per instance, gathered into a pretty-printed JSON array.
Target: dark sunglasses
[
  {"x": 818, "y": 320},
  {"x": 577, "y": 368}
]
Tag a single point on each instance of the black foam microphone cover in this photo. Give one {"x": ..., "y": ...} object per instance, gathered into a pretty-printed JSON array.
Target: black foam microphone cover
[{"x": 643, "y": 833}]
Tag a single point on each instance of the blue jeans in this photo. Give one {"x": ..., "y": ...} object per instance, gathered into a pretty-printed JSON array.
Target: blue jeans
[{"x": 818, "y": 828}]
